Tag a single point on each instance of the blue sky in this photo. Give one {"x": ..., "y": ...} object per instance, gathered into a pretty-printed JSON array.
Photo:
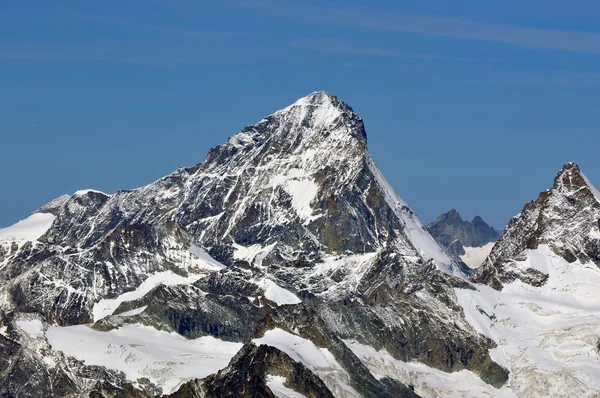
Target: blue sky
[{"x": 472, "y": 105}]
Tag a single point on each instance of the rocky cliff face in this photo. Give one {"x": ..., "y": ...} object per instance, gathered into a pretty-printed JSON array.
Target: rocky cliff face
[
  {"x": 451, "y": 231},
  {"x": 287, "y": 226},
  {"x": 566, "y": 218}
]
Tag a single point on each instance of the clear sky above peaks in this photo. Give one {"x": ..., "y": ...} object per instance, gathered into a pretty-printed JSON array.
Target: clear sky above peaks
[{"x": 472, "y": 105}]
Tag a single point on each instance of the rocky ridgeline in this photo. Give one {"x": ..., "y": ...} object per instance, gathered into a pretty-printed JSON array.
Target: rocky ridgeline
[
  {"x": 452, "y": 232},
  {"x": 565, "y": 217}
]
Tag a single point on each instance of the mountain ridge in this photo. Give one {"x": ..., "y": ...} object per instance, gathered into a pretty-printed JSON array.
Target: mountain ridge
[{"x": 288, "y": 225}]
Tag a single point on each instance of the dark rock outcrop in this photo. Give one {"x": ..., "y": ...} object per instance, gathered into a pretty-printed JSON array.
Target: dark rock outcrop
[{"x": 450, "y": 230}]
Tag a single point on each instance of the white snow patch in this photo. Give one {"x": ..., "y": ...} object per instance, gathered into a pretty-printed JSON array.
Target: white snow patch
[
  {"x": 133, "y": 312},
  {"x": 33, "y": 327},
  {"x": 253, "y": 253},
  {"x": 278, "y": 294},
  {"x": 301, "y": 187},
  {"x": 427, "y": 247},
  {"x": 546, "y": 335},
  {"x": 204, "y": 259},
  {"x": 325, "y": 112},
  {"x": 428, "y": 381},
  {"x": 302, "y": 192},
  {"x": 106, "y": 307},
  {"x": 475, "y": 256},
  {"x": 319, "y": 360},
  {"x": 594, "y": 190},
  {"x": 167, "y": 359},
  {"x": 275, "y": 383},
  {"x": 29, "y": 229},
  {"x": 86, "y": 191}
]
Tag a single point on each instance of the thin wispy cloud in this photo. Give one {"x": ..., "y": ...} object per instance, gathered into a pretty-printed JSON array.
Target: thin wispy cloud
[
  {"x": 61, "y": 56},
  {"x": 551, "y": 39},
  {"x": 160, "y": 28},
  {"x": 440, "y": 26},
  {"x": 338, "y": 46}
]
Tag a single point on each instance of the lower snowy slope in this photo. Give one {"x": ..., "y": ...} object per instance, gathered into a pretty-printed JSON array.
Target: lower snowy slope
[
  {"x": 166, "y": 359},
  {"x": 319, "y": 360},
  {"x": 547, "y": 336},
  {"x": 426, "y": 381},
  {"x": 475, "y": 256}
]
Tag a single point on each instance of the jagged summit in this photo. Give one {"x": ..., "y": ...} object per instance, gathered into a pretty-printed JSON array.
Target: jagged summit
[
  {"x": 565, "y": 218},
  {"x": 325, "y": 109},
  {"x": 570, "y": 177},
  {"x": 450, "y": 230},
  {"x": 317, "y": 121}
]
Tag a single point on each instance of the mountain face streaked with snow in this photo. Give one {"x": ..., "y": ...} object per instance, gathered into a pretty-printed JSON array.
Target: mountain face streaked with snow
[{"x": 282, "y": 265}]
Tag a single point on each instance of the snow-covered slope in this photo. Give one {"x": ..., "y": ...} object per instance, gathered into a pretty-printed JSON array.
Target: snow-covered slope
[
  {"x": 166, "y": 359},
  {"x": 427, "y": 381},
  {"x": 541, "y": 304},
  {"x": 29, "y": 229},
  {"x": 319, "y": 360},
  {"x": 547, "y": 336},
  {"x": 475, "y": 256}
]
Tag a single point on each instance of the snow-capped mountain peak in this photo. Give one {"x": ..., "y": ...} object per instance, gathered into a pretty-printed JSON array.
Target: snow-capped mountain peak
[{"x": 564, "y": 217}]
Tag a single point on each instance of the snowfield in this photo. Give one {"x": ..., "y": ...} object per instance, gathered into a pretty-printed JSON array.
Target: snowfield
[
  {"x": 318, "y": 360},
  {"x": 475, "y": 256},
  {"x": 428, "y": 381},
  {"x": 547, "y": 336},
  {"x": 29, "y": 229},
  {"x": 167, "y": 359},
  {"x": 277, "y": 294},
  {"x": 275, "y": 383}
]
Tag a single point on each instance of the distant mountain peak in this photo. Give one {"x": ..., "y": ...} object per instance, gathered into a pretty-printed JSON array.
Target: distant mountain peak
[{"x": 453, "y": 232}]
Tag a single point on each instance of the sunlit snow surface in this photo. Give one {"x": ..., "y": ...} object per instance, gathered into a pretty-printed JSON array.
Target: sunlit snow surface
[
  {"x": 428, "y": 381},
  {"x": 167, "y": 359},
  {"x": 29, "y": 229},
  {"x": 546, "y": 335},
  {"x": 475, "y": 256},
  {"x": 427, "y": 247},
  {"x": 278, "y": 294},
  {"x": 319, "y": 360},
  {"x": 594, "y": 190},
  {"x": 275, "y": 383},
  {"x": 86, "y": 191},
  {"x": 33, "y": 327}
]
